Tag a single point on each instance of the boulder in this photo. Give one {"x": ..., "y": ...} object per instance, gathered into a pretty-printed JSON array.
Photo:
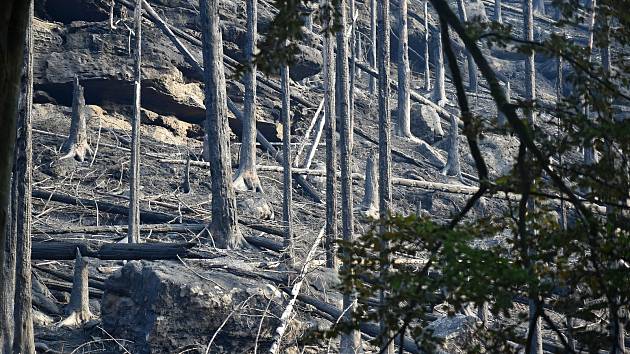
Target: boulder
[
  {"x": 166, "y": 308},
  {"x": 456, "y": 332}
]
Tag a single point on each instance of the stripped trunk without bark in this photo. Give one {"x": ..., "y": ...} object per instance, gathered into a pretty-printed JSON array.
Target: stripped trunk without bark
[
  {"x": 427, "y": 69},
  {"x": 384, "y": 152},
  {"x": 589, "y": 150},
  {"x": 76, "y": 145},
  {"x": 350, "y": 341},
  {"x": 439, "y": 90},
  {"x": 224, "y": 227},
  {"x": 133, "y": 233},
  {"x": 331, "y": 141},
  {"x": 369, "y": 206},
  {"x": 497, "y": 11},
  {"x": 288, "y": 254},
  {"x": 452, "y": 167},
  {"x": 472, "y": 68},
  {"x": 24, "y": 340},
  {"x": 246, "y": 176},
  {"x": 403, "y": 127},
  {"x": 539, "y": 6},
  {"x": 373, "y": 48}
]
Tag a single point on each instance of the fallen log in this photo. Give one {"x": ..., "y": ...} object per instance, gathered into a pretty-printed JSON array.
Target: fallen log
[
  {"x": 55, "y": 250},
  {"x": 67, "y": 287}
]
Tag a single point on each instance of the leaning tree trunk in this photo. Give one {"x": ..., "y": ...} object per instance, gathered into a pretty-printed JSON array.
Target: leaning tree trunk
[
  {"x": 24, "y": 340},
  {"x": 224, "y": 227},
  {"x": 288, "y": 256},
  {"x": 331, "y": 141},
  {"x": 133, "y": 233},
  {"x": 246, "y": 176},
  {"x": 497, "y": 11},
  {"x": 403, "y": 126},
  {"x": 427, "y": 69},
  {"x": 384, "y": 153},
  {"x": 13, "y": 19},
  {"x": 472, "y": 68},
  {"x": 76, "y": 145},
  {"x": 78, "y": 309},
  {"x": 373, "y": 39},
  {"x": 439, "y": 91},
  {"x": 350, "y": 342},
  {"x": 530, "y": 95}
]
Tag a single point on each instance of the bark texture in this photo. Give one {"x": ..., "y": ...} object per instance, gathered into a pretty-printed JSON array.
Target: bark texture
[
  {"x": 24, "y": 340},
  {"x": 331, "y": 140},
  {"x": 373, "y": 47},
  {"x": 224, "y": 225},
  {"x": 246, "y": 176},
  {"x": 78, "y": 310},
  {"x": 133, "y": 233},
  {"x": 288, "y": 255},
  {"x": 351, "y": 341},
  {"x": 76, "y": 146}
]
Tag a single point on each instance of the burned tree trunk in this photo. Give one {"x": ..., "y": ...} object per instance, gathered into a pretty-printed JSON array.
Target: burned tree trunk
[
  {"x": 439, "y": 91},
  {"x": 78, "y": 310},
  {"x": 369, "y": 206},
  {"x": 373, "y": 45},
  {"x": 589, "y": 149},
  {"x": 403, "y": 126},
  {"x": 427, "y": 69},
  {"x": 501, "y": 118},
  {"x": 452, "y": 167},
  {"x": 350, "y": 342},
  {"x": 24, "y": 340},
  {"x": 331, "y": 140},
  {"x": 224, "y": 225},
  {"x": 288, "y": 255},
  {"x": 246, "y": 176},
  {"x": 472, "y": 68},
  {"x": 133, "y": 233},
  {"x": 76, "y": 145},
  {"x": 14, "y": 16},
  {"x": 7, "y": 291},
  {"x": 384, "y": 153},
  {"x": 539, "y": 6}
]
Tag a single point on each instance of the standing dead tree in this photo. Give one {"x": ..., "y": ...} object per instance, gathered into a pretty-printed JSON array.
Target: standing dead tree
[
  {"x": 403, "y": 126},
  {"x": 384, "y": 140},
  {"x": 331, "y": 140},
  {"x": 369, "y": 206},
  {"x": 24, "y": 340},
  {"x": 472, "y": 68},
  {"x": 246, "y": 176},
  {"x": 372, "y": 55},
  {"x": 452, "y": 167},
  {"x": 224, "y": 218},
  {"x": 78, "y": 310},
  {"x": 350, "y": 342},
  {"x": 288, "y": 255},
  {"x": 439, "y": 90},
  {"x": 497, "y": 11},
  {"x": 76, "y": 145},
  {"x": 133, "y": 234},
  {"x": 427, "y": 69}
]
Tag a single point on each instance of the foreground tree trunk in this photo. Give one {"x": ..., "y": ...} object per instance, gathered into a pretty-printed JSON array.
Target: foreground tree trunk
[
  {"x": 403, "y": 127},
  {"x": 224, "y": 227},
  {"x": 439, "y": 91},
  {"x": 24, "y": 340},
  {"x": 589, "y": 150},
  {"x": 246, "y": 176},
  {"x": 13, "y": 20},
  {"x": 7, "y": 294},
  {"x": 76, "y": 145},
  {"x": 384, "y": 152},
  {"x": 288, "y": 255},
  {"x": 331, "y": 141},
  {"x": 350, "y": 342},
  {"x": 133, "y": 233}
]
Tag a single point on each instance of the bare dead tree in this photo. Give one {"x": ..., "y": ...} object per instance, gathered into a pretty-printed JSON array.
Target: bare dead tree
[
  {"x": 502, "y": 120},
  {"x": 15, "y": 15},
  {"x": 539, "y": 6},
  {"x": 472, "y": 68},
  {"x": 589, "y": 150},
  {"x": 331, "y": 141},
  {"x": 353, "y": 59},
  {"x": 439, "y": 90},
  {"x": 350, "y": 342},
  {"x": 403, "y": 126},
  {"x": 78, "y": 309},
  {"x": 369, "y": 206},
  {"x": 287, "y": 180},
  {"x": 186, "y": 182},
  {"x": 452, "y": 167},
  {"x": 427, "y": 69},
  {"x": 224, "y": 218},
  {"x": 7, "y": 290},
  {"x": 384, "y": 140},
  {"x": 24, "y": 336},
  {"x": 111, "y": 15},
  {"x": 497, "y": 11},
  {"x": 373, "y": 38},
  {"x": 133, "y": 233},
  {"x": 76, "y": 145},
  {"x": 246, "y": 176}
]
